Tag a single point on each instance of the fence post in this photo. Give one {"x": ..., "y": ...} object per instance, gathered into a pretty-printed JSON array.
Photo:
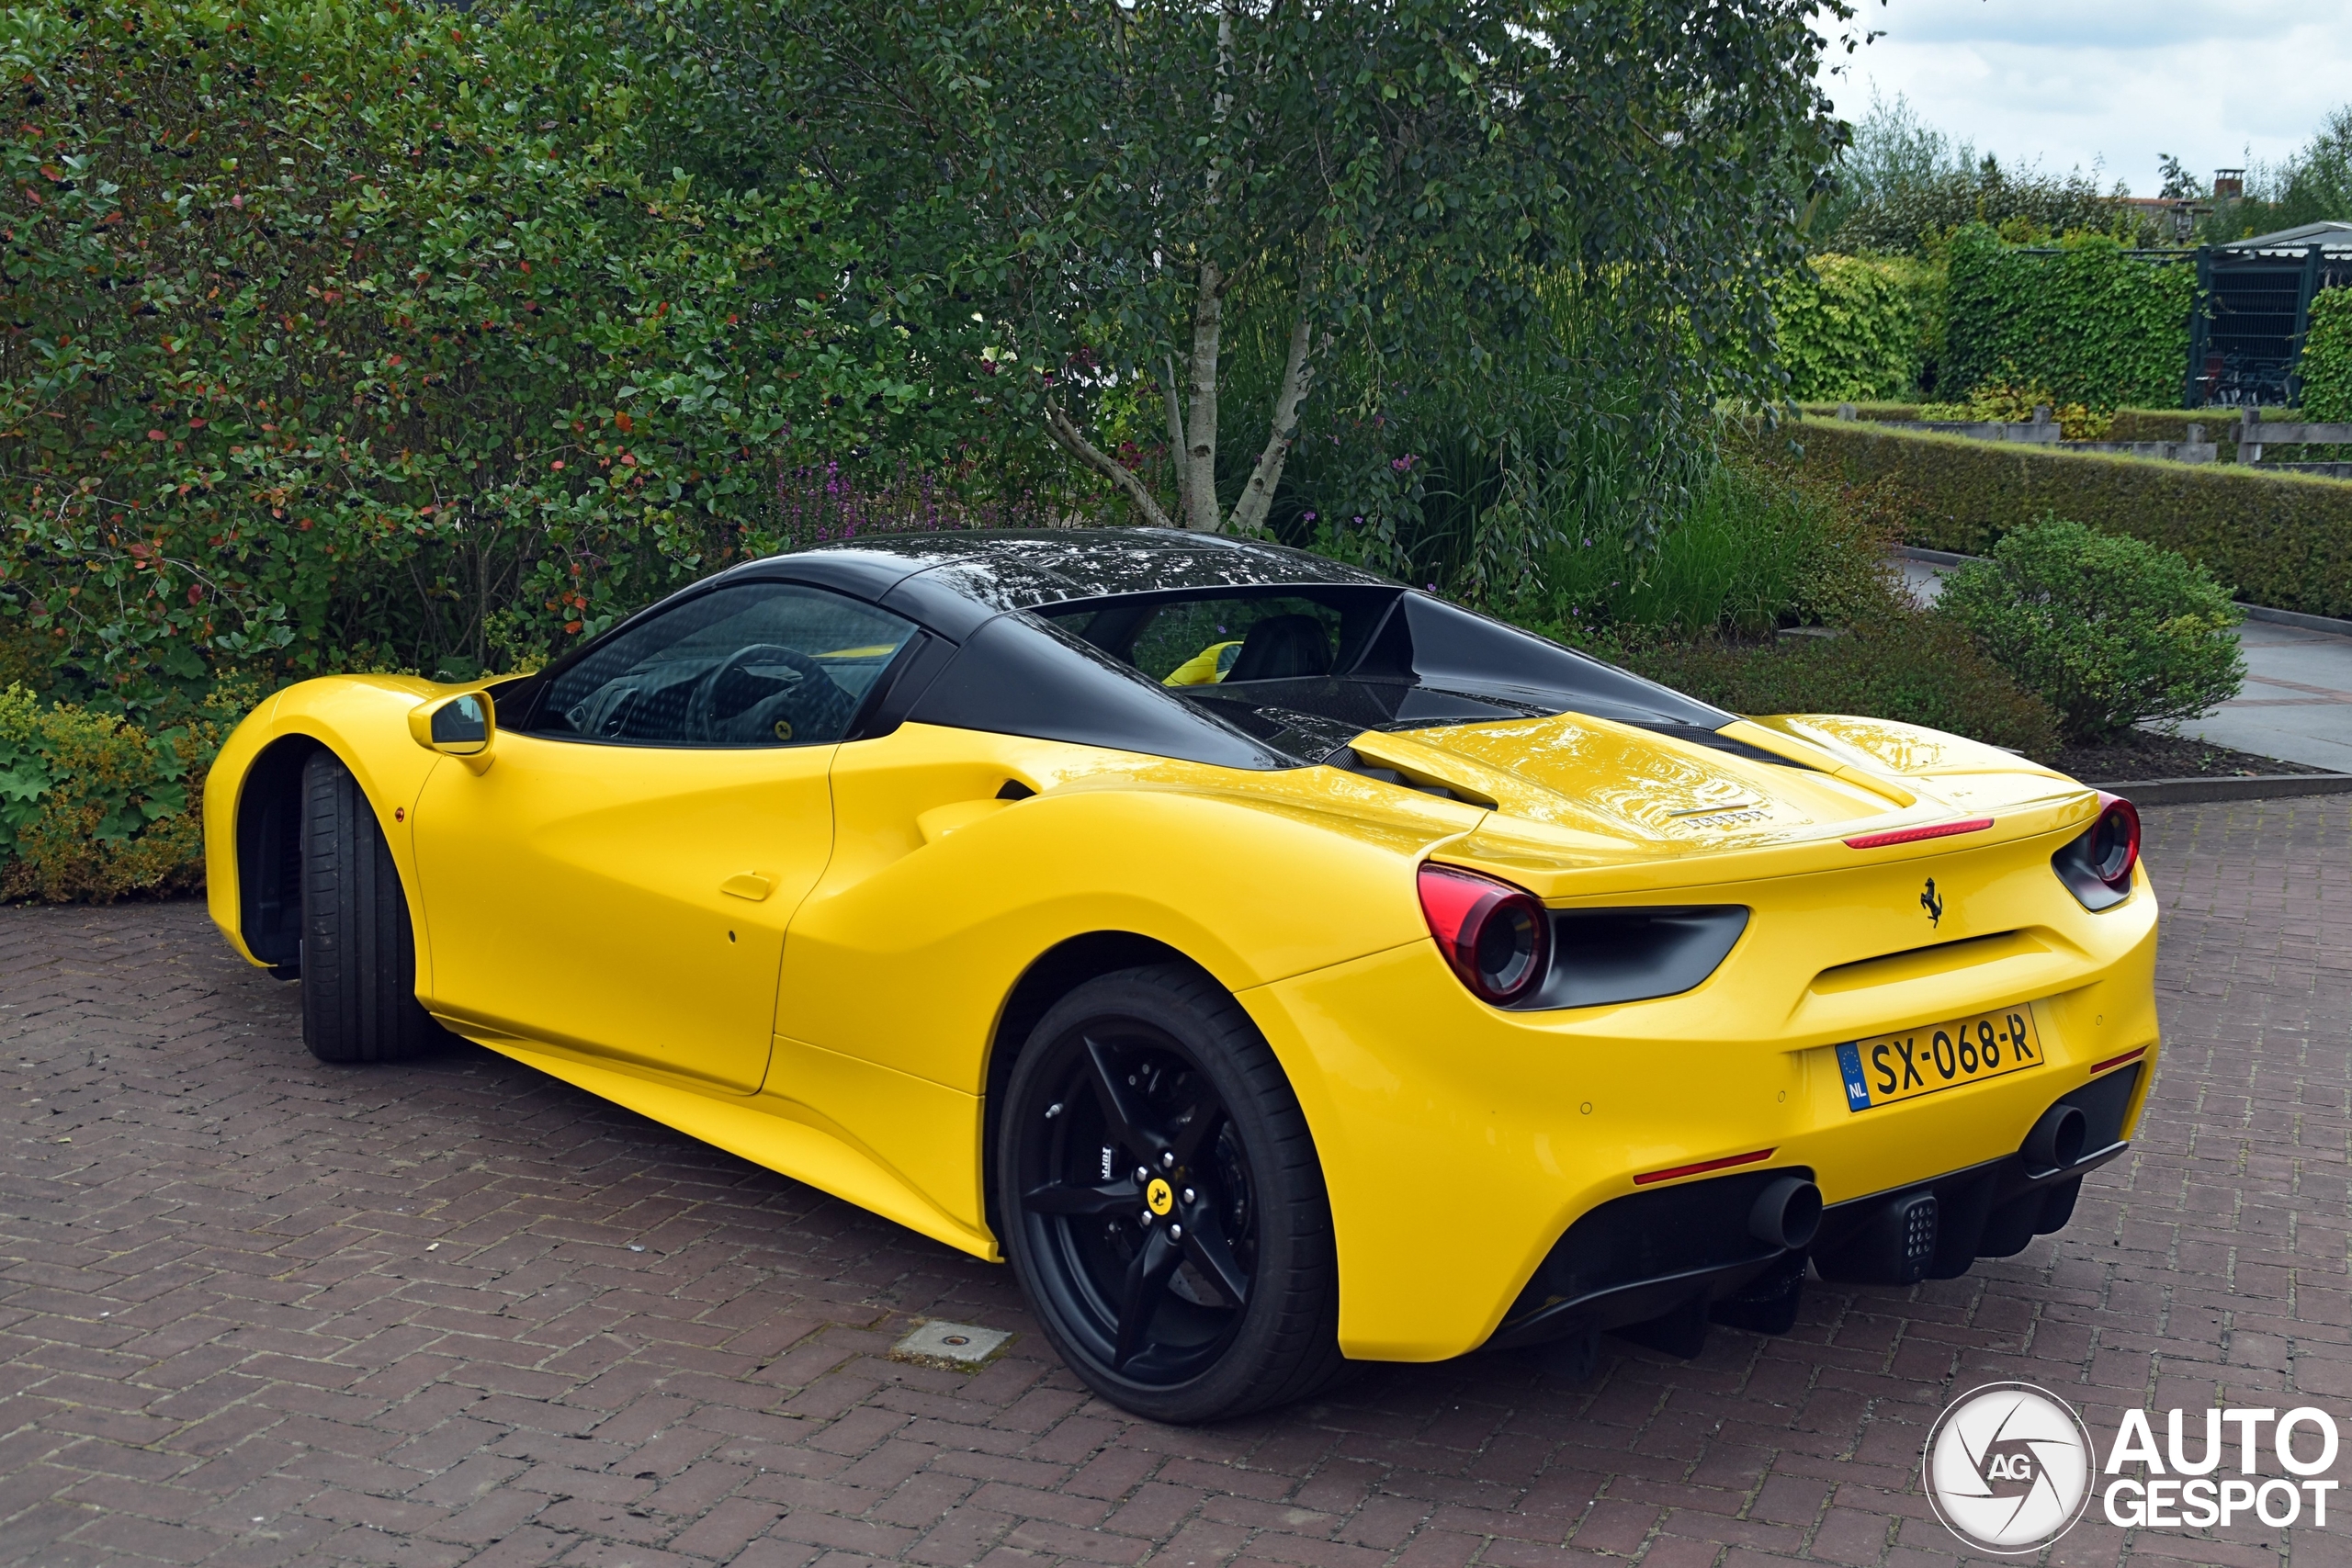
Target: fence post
[{"x": 2249, "y": 449}]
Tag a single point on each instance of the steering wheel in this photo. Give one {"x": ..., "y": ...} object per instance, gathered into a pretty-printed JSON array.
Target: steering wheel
[{"x": 810, "y": 708}]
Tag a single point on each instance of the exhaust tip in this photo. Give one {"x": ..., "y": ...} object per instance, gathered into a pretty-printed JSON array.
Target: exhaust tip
[
  {"x": 1787, "y": 1213},
  {"x": 2056, "y": 1141}
]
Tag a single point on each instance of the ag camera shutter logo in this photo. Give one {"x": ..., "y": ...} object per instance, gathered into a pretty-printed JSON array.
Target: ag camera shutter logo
[{"x": 2007, "y": 1467}]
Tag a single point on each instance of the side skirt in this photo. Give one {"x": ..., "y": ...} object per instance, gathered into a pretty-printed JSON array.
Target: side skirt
[{"x": 763, "y": 1130}]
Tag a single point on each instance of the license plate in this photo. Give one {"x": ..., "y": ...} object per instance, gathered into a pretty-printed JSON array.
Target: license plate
[{"x": 1889, "y": 1067}]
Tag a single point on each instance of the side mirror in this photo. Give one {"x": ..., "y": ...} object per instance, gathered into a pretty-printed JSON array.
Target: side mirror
[{"x": 462, "y": 725}]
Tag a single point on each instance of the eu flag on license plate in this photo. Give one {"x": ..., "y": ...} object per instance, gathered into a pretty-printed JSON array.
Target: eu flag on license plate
[{"x": 1850, "y": 1067}]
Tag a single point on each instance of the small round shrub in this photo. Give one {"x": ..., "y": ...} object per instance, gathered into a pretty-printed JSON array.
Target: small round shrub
[{"x": 2110, "y": 631}]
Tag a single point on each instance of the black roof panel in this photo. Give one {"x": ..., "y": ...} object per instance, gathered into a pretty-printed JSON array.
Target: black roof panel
[{"x": 1012, "y": 569}]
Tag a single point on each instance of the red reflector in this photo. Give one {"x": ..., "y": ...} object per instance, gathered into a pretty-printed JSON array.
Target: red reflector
[
  {"x": 1703, "y": 1165},
  {"x": 2118, "y": 1061},
  {"x": 1913, "y": 835}
]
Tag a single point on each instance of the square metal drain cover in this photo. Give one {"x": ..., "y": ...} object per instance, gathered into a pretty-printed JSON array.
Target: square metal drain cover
[{"x": 950, "y": 1344}]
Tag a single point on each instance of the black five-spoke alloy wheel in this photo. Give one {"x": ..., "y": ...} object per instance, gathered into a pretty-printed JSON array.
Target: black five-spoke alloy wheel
[{"x": 1162, "y": 1200}]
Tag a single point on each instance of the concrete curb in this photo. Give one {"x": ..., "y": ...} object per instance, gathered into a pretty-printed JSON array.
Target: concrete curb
[
  {"x": 2297, "y": 618},
  {"x": 1934, "y": 558},
  {"x": 2259, "y": 786},
  {"x": 2252, "y": 612}
]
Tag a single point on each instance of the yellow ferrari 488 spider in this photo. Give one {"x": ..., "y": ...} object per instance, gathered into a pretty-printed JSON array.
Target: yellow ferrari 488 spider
[{"x": 1275, "y": 966}]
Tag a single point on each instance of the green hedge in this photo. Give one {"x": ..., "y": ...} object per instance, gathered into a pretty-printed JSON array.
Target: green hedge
[
  {"x": 1856, "y": 326},
  {"x": 383, "y": 335},
  {"x": 2278, "y": 539},
  {"x": 2326, "y": 365},
  {"x": 2087, "y": 322}
]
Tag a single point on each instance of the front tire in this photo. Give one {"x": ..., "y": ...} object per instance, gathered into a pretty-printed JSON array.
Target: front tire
[
  {"x": 1163, "y": 1207},
  {"x": 358, "y": 947}
]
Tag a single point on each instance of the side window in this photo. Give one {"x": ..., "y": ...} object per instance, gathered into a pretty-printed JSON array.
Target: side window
[{"x": 754, "y": 664}]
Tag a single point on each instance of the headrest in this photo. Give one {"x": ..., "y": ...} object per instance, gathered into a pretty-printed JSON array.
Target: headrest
[{"x": 1283, "y": 648}]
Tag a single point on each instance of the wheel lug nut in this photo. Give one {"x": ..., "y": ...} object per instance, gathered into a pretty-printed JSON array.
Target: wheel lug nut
[
  {"x": 1175, "y": 1232},
  {"x": 1143, "y": 1173},
  {"x": 1166, "y": 1159},
  {"x": 1146, "y": 1219},
  {"x": 1188, "y": 1194}
]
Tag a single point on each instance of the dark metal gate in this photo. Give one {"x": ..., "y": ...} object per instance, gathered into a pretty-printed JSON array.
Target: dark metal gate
[{"x": 2245, "y": 334}]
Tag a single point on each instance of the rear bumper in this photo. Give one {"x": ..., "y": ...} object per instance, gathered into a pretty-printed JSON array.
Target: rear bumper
[
  {"x": 1665, "y": 1264},
  {"x": 1461, "y": 1143}
]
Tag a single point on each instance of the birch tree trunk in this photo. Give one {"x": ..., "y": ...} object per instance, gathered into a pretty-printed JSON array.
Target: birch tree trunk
[
  {"x": 1258, "y": 496},
  {"x": 1193, "y": 429},
  {"x": 1199, "y": 456},
  {"x": 1073, "y": 440}
]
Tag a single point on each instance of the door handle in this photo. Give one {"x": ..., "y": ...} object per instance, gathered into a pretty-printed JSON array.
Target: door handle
[{"x": 745, "y": 885}]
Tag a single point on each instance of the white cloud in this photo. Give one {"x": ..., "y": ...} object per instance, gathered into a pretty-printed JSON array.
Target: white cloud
[{"x": 2111, "y": 82}]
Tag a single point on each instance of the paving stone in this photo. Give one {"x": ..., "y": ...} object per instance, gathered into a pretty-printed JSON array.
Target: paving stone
[{"x": 221, "y": 1302}]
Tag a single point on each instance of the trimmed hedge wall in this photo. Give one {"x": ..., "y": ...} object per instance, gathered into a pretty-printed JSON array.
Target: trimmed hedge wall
[
  {"x": 2087, "y": 322},
  {"x": 2326, "y": 365},
  {"x": 2284, "y": 540},
  {"x": 1856, "y": 326}
]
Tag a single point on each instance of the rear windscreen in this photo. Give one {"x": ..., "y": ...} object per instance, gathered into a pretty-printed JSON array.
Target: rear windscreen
[{"x": 1214, "y": 638}]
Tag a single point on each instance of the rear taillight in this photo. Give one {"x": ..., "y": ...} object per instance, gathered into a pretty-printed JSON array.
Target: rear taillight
[
  {"x": 1497, "y": 937},
  {"x": 2114, "y": 846},
  {"x": 2096, "y": 865}
]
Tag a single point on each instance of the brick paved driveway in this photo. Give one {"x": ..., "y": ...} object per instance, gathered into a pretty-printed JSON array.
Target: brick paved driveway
[{"x": 253, "y": 1310}]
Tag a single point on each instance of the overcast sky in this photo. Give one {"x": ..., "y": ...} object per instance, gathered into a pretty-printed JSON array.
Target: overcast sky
[{"x": 2110, "y": 82}]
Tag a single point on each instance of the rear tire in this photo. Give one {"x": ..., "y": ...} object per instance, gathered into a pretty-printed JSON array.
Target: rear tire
[
  {"x": 358, "y": 947},
  {"x": 1157, "y": 1072}
]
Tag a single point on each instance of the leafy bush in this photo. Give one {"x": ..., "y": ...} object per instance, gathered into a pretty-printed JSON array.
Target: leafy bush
[
  {"x": 2000, "y": 402},
  {"x": 93, "y": 809},
  {"x": 2327, "y": 363},
  {"x": 371, "y": 335},
  {"x": 1914, "y": 667},
  {"x": 1467, "y": 474},
  {"x": 2086, "y": 321},
  {"x": 2109, "y": 631},
  {"x": 1855, "y": 327},
  {"x": 2283, "y": 539}
]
